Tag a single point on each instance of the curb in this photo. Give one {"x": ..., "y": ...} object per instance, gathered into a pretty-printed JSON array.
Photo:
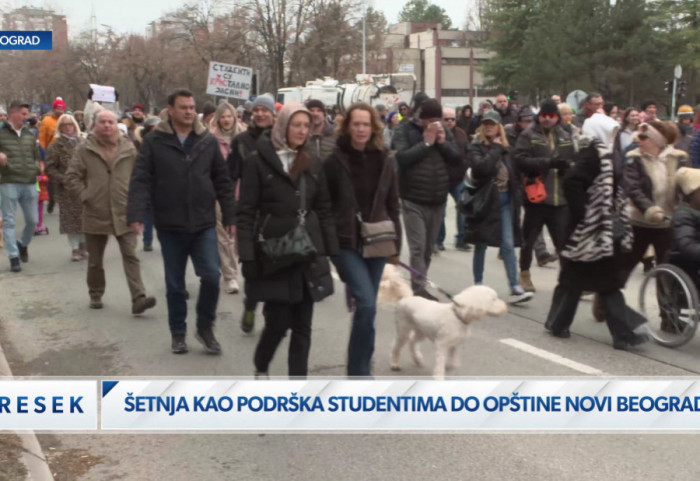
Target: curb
[{"x": 32, "y": 456}]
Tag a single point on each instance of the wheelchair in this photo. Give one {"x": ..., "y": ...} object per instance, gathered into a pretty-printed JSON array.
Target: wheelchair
[{"x": 668, "y": 298}]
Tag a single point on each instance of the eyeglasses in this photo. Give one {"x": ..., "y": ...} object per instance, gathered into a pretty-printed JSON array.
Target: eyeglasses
[{"x": 449, "y": 119}]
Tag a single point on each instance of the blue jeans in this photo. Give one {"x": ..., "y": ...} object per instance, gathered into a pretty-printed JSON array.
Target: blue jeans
[
  {"x": 148, "y": 228},
  {"x": 201, "y": 247},
  {"x": 362, "y": 277},
  {"x": 24, "y": 195},
  {"x": 507, "y": 247},
  {"x": 460, "y": 218}
]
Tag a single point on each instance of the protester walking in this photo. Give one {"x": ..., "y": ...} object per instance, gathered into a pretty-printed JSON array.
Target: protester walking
[
  {"x": 98, "y": 174},
  {"x": 363, "y": 189},
  {"x": 322, "y": 136},
  {"x": 19, "y": 166},
  {"x": 181, "y": 170},
  {"x": 284, "y": 192},
  {"x": 58, "y": 158}
]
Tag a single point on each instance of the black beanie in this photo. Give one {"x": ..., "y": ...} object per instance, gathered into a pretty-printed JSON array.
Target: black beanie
[
  {"x": 549, "y": 107},
  {"x": 311, "y": 103},
  {"x": 430, "y": 109}
]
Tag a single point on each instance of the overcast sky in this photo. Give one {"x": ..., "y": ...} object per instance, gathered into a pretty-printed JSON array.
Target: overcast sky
[{"x": 134, "y": 15}]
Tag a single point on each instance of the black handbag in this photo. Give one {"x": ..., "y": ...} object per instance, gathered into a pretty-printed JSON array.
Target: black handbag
[
  {"x": 292, "y": 248},
  {"x": 475, "y": 203}
]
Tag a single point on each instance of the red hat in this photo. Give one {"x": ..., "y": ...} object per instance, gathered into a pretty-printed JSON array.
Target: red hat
[
  {"x": 138, "y": 106},
  {"x": 278, "y": 107},
  {"x": 59, "y": 104}
]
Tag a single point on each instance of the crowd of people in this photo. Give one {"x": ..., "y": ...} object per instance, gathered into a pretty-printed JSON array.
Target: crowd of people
[{"x": 284, "y": 191}]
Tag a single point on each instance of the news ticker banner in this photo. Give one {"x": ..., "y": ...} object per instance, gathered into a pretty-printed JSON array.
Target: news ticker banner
[
  {"x": 26, "y": 40},
  {"x": 342, "y": 406}
]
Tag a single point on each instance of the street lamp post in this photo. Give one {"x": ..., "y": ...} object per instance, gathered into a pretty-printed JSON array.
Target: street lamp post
[{"x": 364, "y": 37}]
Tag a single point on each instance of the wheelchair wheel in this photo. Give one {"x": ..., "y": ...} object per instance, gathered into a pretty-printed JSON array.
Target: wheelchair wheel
[{"x": 669, "y": 300}]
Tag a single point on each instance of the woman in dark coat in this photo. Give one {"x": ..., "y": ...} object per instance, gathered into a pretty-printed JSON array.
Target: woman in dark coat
[
  {"x": 599, "y": 231},
  {"x": 362, "y": 181},
  {"x": 58, "y": 156},
  {"x": 269, "y": 207},
  {"x": 490, "y": 160}
]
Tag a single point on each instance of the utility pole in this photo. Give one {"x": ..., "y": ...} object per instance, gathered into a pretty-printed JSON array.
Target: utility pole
[{"x": 364, "y": 37}]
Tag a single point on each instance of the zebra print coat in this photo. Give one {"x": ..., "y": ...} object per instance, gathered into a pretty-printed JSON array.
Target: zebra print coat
[{"x": 591, "y": 254}]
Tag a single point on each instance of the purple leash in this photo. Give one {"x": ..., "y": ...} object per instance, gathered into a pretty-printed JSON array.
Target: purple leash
[{"x": 427, "y": 281}]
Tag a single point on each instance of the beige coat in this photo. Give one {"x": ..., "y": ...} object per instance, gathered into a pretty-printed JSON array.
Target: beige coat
[{"x": 102, "y": 190}]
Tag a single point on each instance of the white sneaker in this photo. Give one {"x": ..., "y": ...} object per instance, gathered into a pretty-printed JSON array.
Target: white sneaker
[
  {"x": 231, "y": 287},
  {"x": 518, "y": 295}
]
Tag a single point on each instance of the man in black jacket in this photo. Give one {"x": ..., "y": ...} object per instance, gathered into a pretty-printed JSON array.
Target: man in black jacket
[
  {"x": 263, "y": 119},
  {"x": 424, "y": 150},
  {"x": 181, "y": 171}
]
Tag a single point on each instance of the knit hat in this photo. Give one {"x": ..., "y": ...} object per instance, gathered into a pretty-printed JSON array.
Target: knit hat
[
  {"x": 315, "y": 103},
  {"x": 685, "y": 111},
  {"x": 58, "y": 104},
  {"x": 379, "y": 107},
  {"x": 688, "y": 179},
  {"x": 525, "y": 113},
  {"x": 265, "y": 100},
  {"x": 430, "y": 109},
  {"x": 492, "y": 116},
  {"x": 549, "y": 106}
]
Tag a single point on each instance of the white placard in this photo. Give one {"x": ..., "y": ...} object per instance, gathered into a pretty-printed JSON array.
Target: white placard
[
  {"x": 48, "y": 405},
  {"x": 403, "y": 405},
  {"x": 103, "y": 93},
  {"x": 230, "y": 81}
]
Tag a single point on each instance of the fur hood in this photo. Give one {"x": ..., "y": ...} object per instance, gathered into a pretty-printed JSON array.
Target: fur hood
[{"x": 165, "y": 126}]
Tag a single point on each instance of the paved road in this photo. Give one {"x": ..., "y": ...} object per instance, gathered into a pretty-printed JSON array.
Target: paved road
[{"x": 47, "y": 329}]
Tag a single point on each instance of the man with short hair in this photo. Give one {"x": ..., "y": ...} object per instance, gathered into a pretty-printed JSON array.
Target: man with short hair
[
  {"x": 503, "y": 107},
  {"x": 449, "y": 122},
  {"x": 208, "y": 112},
  {"x": 180, "y": 171},
  {"x": 424, "y": 152},
  {"x": 322, "y": 136},
  {"x": 243, "y": 144},
  {"x": 543, "y": 153},
  {"x": 99, "y": 175},
  {"x": 404, "y": 115},
  {"x": 649, "y": 110},
  {"x": 591, "y": 104},
  {"x": 556, "y": 98},
  {"x": 19, "y": 166}
]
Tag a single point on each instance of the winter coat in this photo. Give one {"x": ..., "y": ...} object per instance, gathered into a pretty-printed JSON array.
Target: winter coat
[
  {"x": 510, "y": 116},
  {"x": 423, "y": 171},
  {"x": 485, "y": 161},
  {"x": 320, "y": 146},
  {"x": 345, "y": 168},
  {"x": 241, "y": 147},
  {"x": 686, "y": 234},
  {"x": 182, "y": 185},
  {"x": 47, "y": 129},
  {"x": 457, "y": 171},
  {"x": 270, "y": 197},
  {"x": 607, "y": 274},
  {"x": 102, "y": 189},
  {"x": 640, "y": 182},
  {"x": 534, "y": 151},
  {"x": 22, "y": 156},
  {"x": 70, "y": 209}
]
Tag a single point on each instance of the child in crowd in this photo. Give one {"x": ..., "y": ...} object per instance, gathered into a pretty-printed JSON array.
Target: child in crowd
[{"x": 42, "y": 187}]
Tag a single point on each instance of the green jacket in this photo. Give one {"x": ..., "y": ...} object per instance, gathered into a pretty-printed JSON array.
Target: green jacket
[{"x": 22, "y": 156}]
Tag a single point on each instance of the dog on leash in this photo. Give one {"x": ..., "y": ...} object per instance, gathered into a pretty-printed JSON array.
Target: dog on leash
[{"x": 446, "y": 324}]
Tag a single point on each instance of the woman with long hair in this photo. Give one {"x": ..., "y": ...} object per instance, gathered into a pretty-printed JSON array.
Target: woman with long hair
[
  {"x": 225, "y": 126},
  {"x": 271, "y": 206},
  {"x": 58, "y": 156},
  {"x": 363, "y": 185},
  {"x": 629, "y": 123},
  {"x": 491, "y": 163}
]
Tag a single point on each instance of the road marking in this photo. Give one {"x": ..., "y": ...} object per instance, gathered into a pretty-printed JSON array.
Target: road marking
[{"x": 555, "y": 358}]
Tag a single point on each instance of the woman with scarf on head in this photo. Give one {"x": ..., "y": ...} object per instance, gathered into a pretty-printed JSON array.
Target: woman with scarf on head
[
  {"x": 599, "y": 234},
  {"x": 465, "y": 120},
  {"x": 225, "y": 127},
  {"x": 270, "y": 206},
  {"x": 58, "y": 156},
  {"x": 363, "y": 185}
]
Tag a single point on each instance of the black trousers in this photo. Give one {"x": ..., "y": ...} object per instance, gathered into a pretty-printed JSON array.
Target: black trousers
[
  {"x": 621, "y": 319},
  {"x": 280, "y": 317},
  {"x": 536, "y": 217},
  {"x": 661, "y": 239}
]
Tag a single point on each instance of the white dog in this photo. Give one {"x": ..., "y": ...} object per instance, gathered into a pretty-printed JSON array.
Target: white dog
[{"x": 445, "y": 324}]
